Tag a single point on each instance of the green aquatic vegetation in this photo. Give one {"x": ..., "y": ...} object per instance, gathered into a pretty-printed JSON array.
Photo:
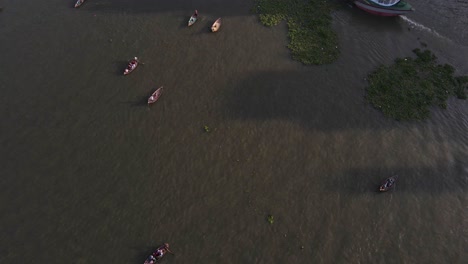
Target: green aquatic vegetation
[
  {"x": 312, "y": 40},
  {"x": 207, "y": 129},
  {"x": 408, "y": 88},
  {"x": 270, "y": 219}
]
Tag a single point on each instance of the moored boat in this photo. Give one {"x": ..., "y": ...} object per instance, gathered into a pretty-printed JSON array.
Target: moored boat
[
  {"x": 155, "y": 96},
  {"x": 158, "y": 254},
  {"x": 388, "y": 183},
  {"x": 79, "y": 3},
  {"x": 132, "y": 64},
  {"x": 384, "y": 7},
  {"x": 193, "y": 18},
  {"x": 216, "y": 25}
]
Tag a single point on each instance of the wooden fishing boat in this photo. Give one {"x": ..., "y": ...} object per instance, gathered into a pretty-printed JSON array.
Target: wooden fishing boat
[
  {"x": 155, "y": 96},
  {"x": 216, "y": 25},
  {"x": 158, "y": 254},
  {"x": 388, "y": 184},
  {"x": 79, "y": 3},
  {"x": 384, "y": 7},
  {"x": 132, "y": 64},
  {"x": 193, "y": 18}
]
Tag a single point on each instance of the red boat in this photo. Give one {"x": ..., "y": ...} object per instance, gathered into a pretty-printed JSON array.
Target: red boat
[
  {"x": 131, "y": 66},
  {"x": 388, "y": 184},
  {"x": 155, "y": 96},
  {"x": 158, "y": 254}
]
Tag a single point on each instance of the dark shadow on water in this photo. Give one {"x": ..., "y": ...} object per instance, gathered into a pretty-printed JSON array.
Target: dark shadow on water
[
  {"x": 143, "y": 253},
  {"x": 315, "y": 98},
  {"x": 184, "y": 24},
  {"x": 120, "y": 67},
  {"x": 139, "y": 102}
]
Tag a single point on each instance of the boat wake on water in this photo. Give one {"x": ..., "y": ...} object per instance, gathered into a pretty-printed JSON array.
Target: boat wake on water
[{"x": 422, "y": 27}]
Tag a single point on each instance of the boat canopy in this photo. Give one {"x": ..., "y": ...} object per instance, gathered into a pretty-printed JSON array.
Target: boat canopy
[{"x": 386, "y": 2}]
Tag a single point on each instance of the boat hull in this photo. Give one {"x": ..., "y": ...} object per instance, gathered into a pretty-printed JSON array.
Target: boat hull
[
  {"x": 216, "y": 25},
  {"x": 155, "y": 96},
  {"x": 192, "y": 21},
  {"x": 79, "y": 3},
  {"x": 193, "y": 18},
  {"x": 129, "y": 68},
  {"x": 388, "y": 184},
  {"x": 383, "y": 11}
]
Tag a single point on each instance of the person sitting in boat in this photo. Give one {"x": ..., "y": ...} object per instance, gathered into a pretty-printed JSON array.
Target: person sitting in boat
[
  {"x": 161, "y": 251},
  {"x": 151, "y": 259}
]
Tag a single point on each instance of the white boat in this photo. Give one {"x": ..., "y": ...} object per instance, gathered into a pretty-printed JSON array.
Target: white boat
[
  {"x": 216, "y": 25},
  {"x": 193, "y": 18},
  {"x": 79, "y": 3}
]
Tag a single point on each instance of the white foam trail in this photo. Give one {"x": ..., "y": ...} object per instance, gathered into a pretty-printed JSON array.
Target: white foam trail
[{"x": 422, "y": 27}]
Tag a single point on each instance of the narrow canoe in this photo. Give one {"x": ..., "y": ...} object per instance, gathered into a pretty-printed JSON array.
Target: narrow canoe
[
  {"x": 193, "y": 18},
  {"x": 155, "y": 96},
  {"x": 158, "y": 254},
  {"x": 79, "y": 3},
  {"x": 388, "y": 184}
]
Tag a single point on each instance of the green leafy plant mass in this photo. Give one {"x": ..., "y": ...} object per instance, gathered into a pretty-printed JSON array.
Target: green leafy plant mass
[
  {"x": 406, "y": 89},
  {"x": 312, "y": 41}
]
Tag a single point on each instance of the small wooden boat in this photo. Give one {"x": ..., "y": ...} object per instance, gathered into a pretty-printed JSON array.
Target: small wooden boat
[
  {"x": 388, "y": 184},
  {"x": 131, "y": 66},
  {"x": 216, "y": 25},
  {"x": 79, "y": 3},
  {"x": 155, "y": 96},
  {"x": 193, "y": 18},
  {"x": 158, "y": 254}
]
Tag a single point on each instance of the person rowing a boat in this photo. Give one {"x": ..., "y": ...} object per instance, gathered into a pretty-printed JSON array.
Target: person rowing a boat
[
  {"x": 132, "y": 64},
  {"x": 161, "y": 251},
  {"x": 151, "y": 259}
]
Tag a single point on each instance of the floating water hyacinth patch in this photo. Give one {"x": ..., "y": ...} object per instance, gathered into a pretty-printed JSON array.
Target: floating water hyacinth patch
[
  {"x": 311, "y": 38},
  {"x": 270, "y": 219},
  {"x": 407, "y": 89}
]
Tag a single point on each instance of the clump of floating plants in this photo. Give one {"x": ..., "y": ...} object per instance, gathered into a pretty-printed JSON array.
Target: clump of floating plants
[
  {"x": 270, "y": 219},
  {"x": 407, "y": 89},
  {"x": 312, "y": 40}
]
